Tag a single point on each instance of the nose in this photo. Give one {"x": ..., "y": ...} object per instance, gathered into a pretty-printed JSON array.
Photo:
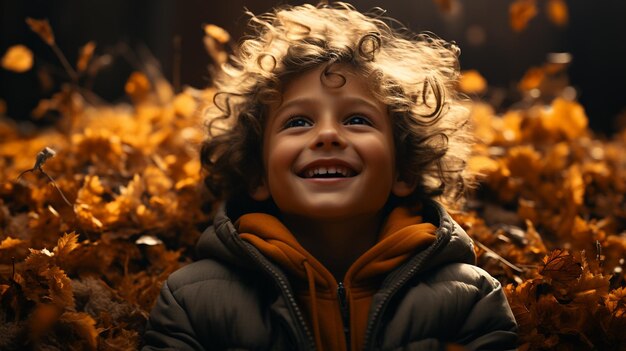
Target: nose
[{"x": 329, "y": 136}]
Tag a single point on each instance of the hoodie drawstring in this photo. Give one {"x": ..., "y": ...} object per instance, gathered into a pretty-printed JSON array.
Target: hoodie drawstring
[{"x": 316, "y": 324}]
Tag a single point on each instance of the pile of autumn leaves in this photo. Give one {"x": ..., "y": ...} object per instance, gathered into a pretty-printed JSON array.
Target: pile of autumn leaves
[
  {"x": 112, "y": 204},
  {"x": 89, "y": 235},
  {"x": 550, "y": 223},
  {"x": 84, "y": 275}
]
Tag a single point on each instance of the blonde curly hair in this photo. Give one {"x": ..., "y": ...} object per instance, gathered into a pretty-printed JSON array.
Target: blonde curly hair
[{"x": 413, "y": 74}]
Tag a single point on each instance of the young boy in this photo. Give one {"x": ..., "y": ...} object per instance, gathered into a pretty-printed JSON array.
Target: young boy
[{"x": 335, "y": 135}]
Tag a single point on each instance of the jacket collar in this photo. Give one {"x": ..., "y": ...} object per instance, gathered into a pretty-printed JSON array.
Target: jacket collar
[{"x": 221, "y": 241}]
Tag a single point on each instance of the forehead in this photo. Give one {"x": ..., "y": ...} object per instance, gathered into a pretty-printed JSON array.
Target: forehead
[{"x": 335, "y": 83}]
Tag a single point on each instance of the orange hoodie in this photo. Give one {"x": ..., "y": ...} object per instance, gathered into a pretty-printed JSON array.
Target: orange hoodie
[{"x": 316, "y": 289}]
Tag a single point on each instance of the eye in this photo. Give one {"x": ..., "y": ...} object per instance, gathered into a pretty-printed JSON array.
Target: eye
[
  {"x": 297, "y": 122},
  {"x": 357, "y": 120}
]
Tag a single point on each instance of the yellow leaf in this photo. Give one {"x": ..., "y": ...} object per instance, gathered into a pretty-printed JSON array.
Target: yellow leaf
[
  {"x": 18, "y": 58},
  {"x": 557, "y": 12},
  {"x": 524, "y": 161},
  {"x": 575, "y": 185},
  {"x": 86, "y": 53},
  {"x": 10, "y": 242},
  {"x": 520, "y": 12},
  {"x": 616, "y": 302},
  {"x": 138, "y": 86},
  {"x": 66, "y": 244},
  {"x": 532, "y": 79},
  {"x": 42, "y": 28},
  {"x": 557, "y": 158},
  {"x": 482, "y": 165},
  {"x": 483, "y": 116},
  {"x": 472, "y": 82},
  {"x": 185, "y": 105},
  {"x": 217, "y": 33},
  {"x": 585, "y": 232},
  {"x": 568, "y": 117}
]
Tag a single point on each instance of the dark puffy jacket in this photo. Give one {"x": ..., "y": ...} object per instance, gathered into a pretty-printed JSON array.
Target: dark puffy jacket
[{"x": 236, "y": 299}]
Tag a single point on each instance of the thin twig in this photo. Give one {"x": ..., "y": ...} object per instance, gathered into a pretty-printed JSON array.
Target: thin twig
[
  {"x": 498, "y": 257},
  {"x": 68, "y": 68},
  {"x": 56, "y": 186}
]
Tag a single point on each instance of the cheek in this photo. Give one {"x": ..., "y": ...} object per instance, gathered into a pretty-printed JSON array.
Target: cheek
[
  {"x": 380, "y": 154},
  {"x": 279, "y": 158}
]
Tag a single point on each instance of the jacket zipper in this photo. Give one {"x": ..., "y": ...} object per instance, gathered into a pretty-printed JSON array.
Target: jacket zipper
[
  {"x": 345, "y": 312},
  {"x": 374, "y": 322},
  {"x": 284, "y": 287}
]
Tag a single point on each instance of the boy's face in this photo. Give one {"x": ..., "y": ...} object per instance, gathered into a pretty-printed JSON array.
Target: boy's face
[{"x": 328, "y": 150}]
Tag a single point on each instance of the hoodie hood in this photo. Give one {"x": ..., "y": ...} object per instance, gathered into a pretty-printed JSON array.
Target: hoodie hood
[{"x": 221, "y": 240}]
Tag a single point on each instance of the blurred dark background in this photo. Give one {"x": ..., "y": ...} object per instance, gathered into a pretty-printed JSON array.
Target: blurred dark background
[{"x": 595, "y": 36}]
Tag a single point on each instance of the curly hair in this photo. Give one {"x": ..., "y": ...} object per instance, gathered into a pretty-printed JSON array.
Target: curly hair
[{"x": 413, "y": 74}]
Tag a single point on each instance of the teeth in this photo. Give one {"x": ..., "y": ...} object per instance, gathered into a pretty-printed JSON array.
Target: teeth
[{"x": 312, "y": 172}]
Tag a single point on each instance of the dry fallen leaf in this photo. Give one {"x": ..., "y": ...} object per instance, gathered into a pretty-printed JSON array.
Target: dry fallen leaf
[
  {"x": 532, "y": 79},
  {"x": 472, "y": 82},
  {"x": 85, "y": 55},
  {"x": 18, "y": 58},
  {"x": 218, "y": 33},
  {"x": 83, "y": 326},
  {"x": 557, "y": 12},
  {"x": 445, "y": 6},
  {"x": 521, "y": 12},
  {"x": 138, "y": 86},
  {"x": 42, "y": 28},
  {"x": 560, "y": 266},
  {"x": 9, "y": 242}
]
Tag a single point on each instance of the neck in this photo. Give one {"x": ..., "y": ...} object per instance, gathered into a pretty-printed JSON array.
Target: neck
[{"x": 336, "y": 243}]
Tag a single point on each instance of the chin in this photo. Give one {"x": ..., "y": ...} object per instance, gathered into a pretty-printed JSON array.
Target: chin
[{"x": 334, "y": 210}]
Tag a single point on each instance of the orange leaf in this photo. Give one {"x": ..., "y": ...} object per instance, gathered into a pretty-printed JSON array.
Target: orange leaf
[
  {"x": 616, "y": 302},
  {"x": 18, "y": 58},
  {"x": 43, "y": 318},
  {"x": 574, "y": 185},
  {"x": 568, "y": 117},
  {"x": 66, "y": 244},
  {"x": 83, "y": 326},
  {"x": 59, "y": 287},
  {"x": 445, "y": 6},
  {"x": 9, "y": 242},
  {"x": 472, "y": 82},
  {"x": 519, "y": 299},
  {"x": 560, "y": 266},
  {"x": 138, "y": 86},
  {"x": 557, "y": 12},
  {"x": 42, "y": 28},
  {"x": 86, "y": 53},
  {"x": 520, "y": 12},
  {"x": 532, "y": 79},
  {"x": 185, "y": 105},
  {"x": 217, "y": 33}
]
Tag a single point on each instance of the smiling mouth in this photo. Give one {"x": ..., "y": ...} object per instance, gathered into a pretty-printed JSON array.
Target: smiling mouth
[{"x": 328, "y": 172}]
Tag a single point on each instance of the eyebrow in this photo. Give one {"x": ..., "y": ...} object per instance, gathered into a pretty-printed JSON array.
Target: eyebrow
[{"x": 312, "y": 101}]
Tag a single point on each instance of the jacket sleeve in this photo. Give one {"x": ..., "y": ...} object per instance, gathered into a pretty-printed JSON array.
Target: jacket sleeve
[
  {"x": 490, "y": 324},
  {"x": 169, "y": 327}
]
